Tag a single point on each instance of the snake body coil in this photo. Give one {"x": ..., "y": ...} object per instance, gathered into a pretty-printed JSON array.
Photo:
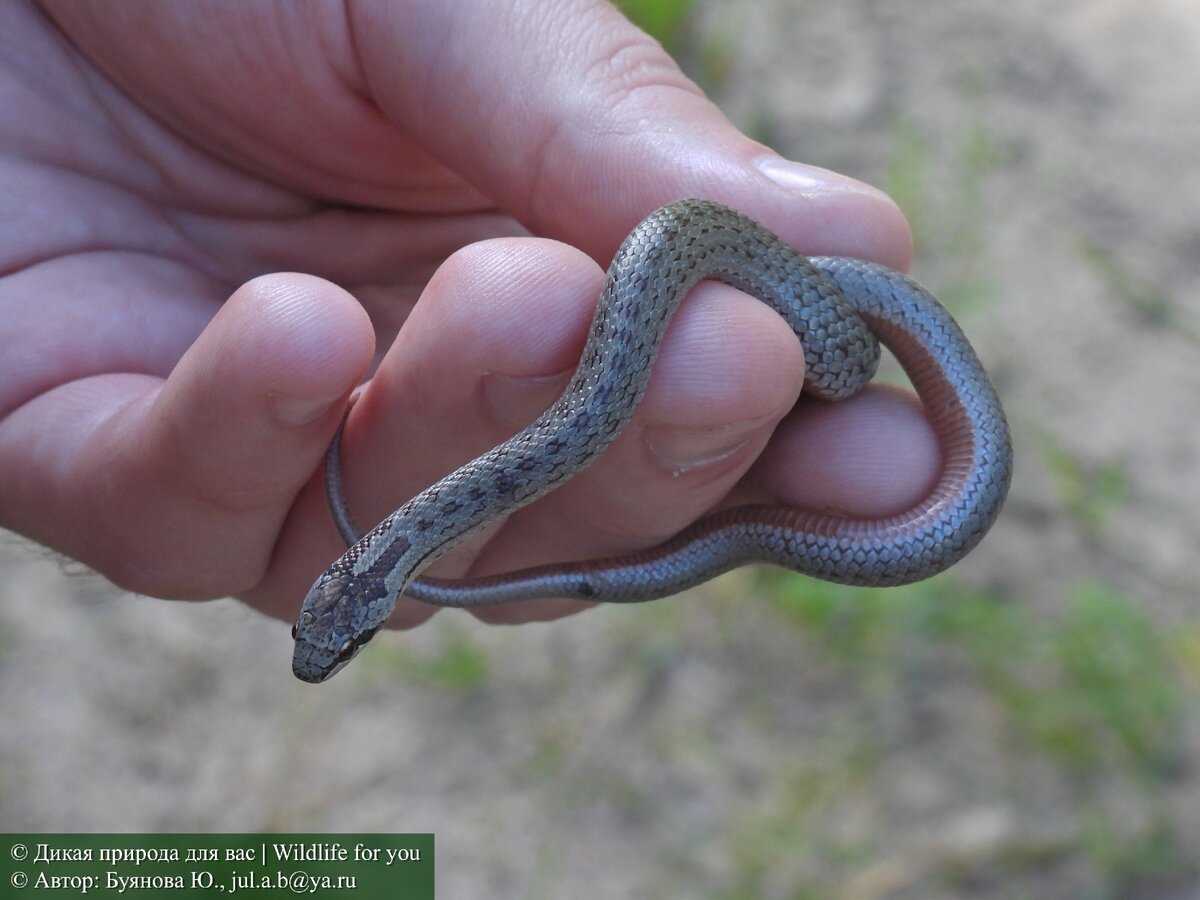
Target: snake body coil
[{"x": 837, "y": 308}]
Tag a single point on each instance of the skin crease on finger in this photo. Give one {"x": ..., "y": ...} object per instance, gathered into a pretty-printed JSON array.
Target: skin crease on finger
[{"x": 230, "y": 160}]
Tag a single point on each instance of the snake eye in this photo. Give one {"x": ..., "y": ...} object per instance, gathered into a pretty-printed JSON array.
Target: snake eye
[
  {"x": 305, "y": 617},
  {"x": 348, "y": 649},
  {"x": 350, "y": 646}
]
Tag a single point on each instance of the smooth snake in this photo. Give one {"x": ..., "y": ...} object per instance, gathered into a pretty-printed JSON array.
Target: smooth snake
[{"x": 839, "y": 308}]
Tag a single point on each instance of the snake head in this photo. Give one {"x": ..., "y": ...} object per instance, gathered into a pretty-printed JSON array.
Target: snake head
[{"x": 341, "y": 613}]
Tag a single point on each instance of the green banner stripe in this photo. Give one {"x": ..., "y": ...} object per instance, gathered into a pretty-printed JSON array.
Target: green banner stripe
[{"x": 255, "y": 866}]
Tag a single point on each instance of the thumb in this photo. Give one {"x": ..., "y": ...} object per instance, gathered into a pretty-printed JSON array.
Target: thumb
[{"x": 578, "y": 124}]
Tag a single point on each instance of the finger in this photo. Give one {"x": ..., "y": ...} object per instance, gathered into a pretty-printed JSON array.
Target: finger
[
  {"x": 874, "y": 454},
  {"x": 179, "y": 488},
  {"x": 568, "y": 116},
  {"x": 607, "y": 127}
]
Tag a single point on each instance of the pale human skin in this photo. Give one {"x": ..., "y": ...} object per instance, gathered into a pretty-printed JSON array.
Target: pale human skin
[{"x": 170, "y": 385}]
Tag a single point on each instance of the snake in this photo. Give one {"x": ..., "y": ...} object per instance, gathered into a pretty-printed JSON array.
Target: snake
[{"x": 841, "y": 310}]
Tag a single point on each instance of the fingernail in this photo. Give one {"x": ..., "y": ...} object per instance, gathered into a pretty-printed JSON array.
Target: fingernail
[
  {"x": 807, "y": 180},
  {"x": 684, "y": 449},
  {"x": 515, "y": 401},
  {"x": 294, "y": 411}
]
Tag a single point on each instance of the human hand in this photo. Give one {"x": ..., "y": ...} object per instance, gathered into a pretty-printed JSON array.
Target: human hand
[{"x": 166, "y": 427}]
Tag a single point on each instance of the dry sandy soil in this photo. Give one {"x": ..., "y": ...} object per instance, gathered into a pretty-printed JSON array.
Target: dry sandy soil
[{"x": 1047, "y": 153}]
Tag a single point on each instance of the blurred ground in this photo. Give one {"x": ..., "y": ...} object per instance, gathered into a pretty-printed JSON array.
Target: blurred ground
[{"x": 1026, "y": 726}]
